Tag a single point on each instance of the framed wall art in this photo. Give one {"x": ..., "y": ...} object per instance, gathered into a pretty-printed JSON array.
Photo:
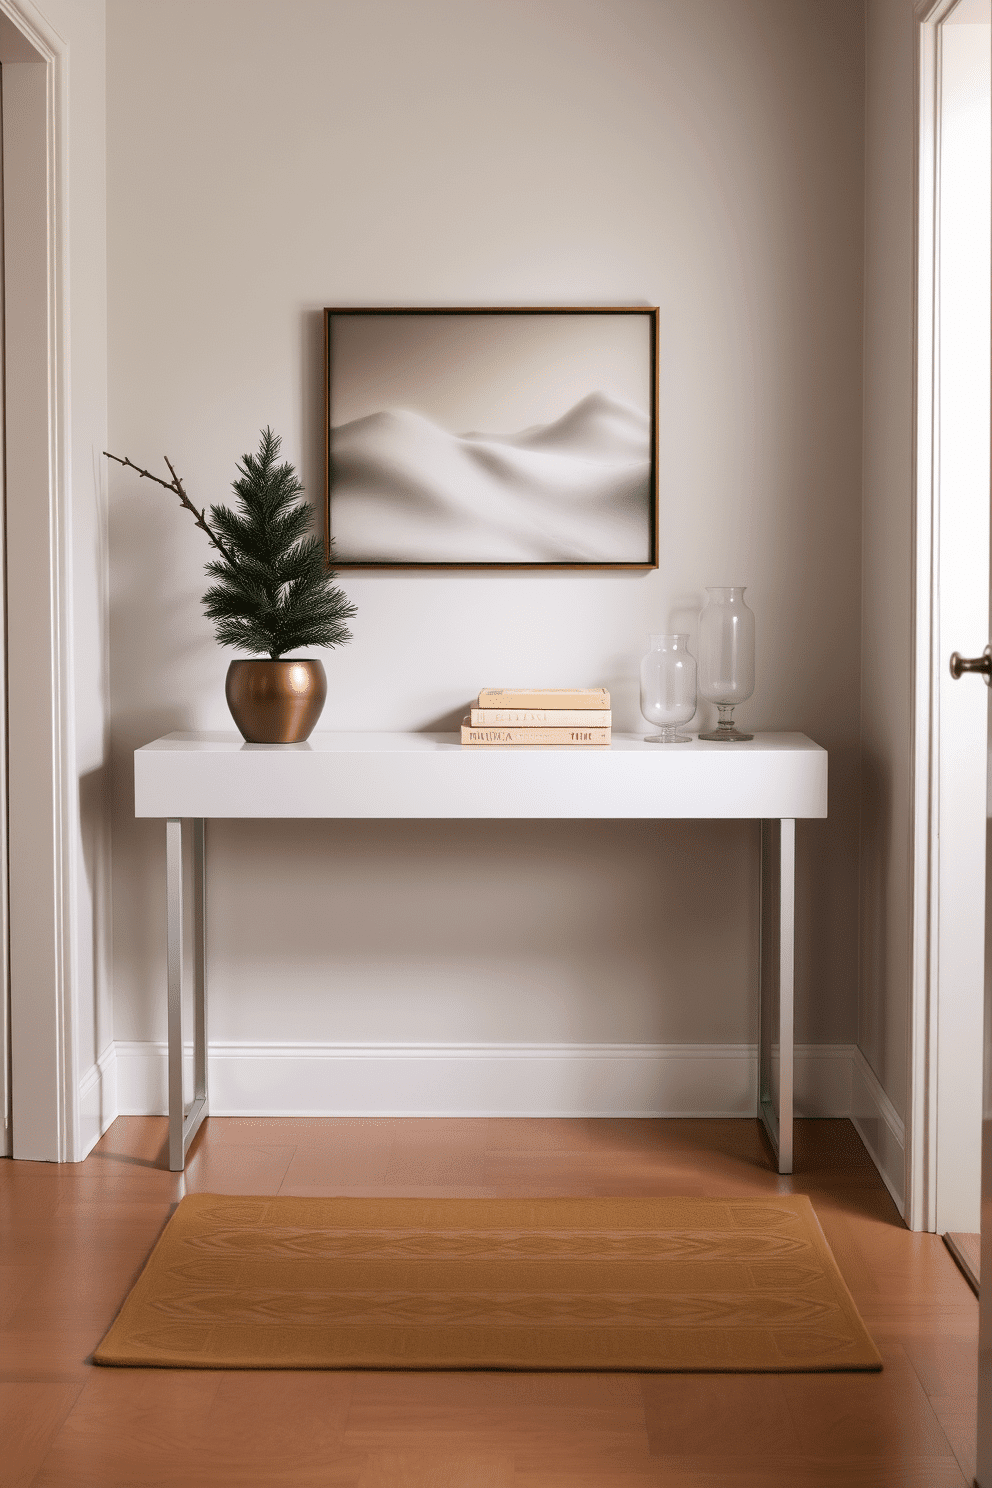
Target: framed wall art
[{"x": 491, "y": 438}]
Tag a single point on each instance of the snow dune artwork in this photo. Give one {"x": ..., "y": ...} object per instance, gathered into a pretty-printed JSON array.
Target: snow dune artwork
[{"x": 576, "y": 490}]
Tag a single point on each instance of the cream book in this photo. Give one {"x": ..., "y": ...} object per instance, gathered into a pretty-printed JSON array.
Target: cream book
[
  {"x": 524, "y": 736},
  {"x": 542, "y": 717},
  {"x": 544, "y": 697}
]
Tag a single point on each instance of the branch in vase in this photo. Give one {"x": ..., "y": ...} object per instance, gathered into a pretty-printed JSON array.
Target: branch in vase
[{"x": 176, "y": 486}]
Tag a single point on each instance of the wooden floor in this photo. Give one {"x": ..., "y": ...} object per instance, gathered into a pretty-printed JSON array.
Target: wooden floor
[{"x": 74, "y": 1237}]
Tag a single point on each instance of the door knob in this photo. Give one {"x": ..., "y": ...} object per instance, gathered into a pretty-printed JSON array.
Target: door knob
[{"x": 983, "y": 664}]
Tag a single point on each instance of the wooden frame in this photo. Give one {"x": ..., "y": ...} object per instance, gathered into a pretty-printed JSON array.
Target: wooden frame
[{"x": 408, "y": 490}]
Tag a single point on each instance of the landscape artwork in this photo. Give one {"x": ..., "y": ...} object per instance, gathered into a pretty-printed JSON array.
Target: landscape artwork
[{"x": 491, "y": 438}]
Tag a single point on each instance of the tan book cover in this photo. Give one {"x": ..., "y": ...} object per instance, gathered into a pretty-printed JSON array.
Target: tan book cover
[
  {"x": 544, "y": 697},
  {"x": 541, "y": 717},
  {"x": 525, "y": 736}
]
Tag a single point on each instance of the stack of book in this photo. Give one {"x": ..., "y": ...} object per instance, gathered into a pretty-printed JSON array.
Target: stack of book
[{"x": 541, "y": 715}]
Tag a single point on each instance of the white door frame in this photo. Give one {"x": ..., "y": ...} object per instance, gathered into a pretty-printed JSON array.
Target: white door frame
[
  {"x": 921, "y": 1145},
  {"x": 43, "y": 793}
]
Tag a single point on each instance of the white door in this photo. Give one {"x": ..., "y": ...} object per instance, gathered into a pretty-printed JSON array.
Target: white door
[
  {"x": 964, "y": 449},
  {"x": 984, "y": 1470},
  {"x": 6, "y": 1139},
  {"x": 961, "y": 458}
]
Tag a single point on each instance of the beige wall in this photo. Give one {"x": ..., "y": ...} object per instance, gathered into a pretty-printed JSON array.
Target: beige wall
[
  {"x": 267, "y": 159},
  {"x": 886, "y": 653}
]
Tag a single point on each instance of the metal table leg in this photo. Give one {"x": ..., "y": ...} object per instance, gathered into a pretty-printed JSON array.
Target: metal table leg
[
  {"x": 184, "y": 1125},
  {"x": 775, "y": 1027}
]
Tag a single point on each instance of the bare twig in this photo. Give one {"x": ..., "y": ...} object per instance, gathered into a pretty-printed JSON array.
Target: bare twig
[{"x": 176, "y": 486}]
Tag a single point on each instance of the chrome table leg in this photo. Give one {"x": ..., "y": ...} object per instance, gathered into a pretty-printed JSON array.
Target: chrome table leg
[
  {"x": 184, "y": 1125},
  {"x": 775, "y": 1027}
]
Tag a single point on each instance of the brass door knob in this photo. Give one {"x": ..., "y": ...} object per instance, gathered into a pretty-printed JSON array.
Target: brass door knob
[{"x": 982, "y": 664}]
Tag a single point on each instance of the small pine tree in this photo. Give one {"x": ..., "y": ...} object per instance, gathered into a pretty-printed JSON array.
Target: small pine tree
[{"x": 272, "y": 593}]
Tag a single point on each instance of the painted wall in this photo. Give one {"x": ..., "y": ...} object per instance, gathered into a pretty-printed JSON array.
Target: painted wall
[
  {"x": 265, "y": 160},
  {"x": 887, "y": 617}
]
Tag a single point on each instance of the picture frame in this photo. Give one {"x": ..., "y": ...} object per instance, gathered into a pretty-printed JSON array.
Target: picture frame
[{"x": 491, "y": 437}]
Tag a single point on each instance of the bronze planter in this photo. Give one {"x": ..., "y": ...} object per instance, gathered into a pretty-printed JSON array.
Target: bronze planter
[{"x": 276, "y": 702}]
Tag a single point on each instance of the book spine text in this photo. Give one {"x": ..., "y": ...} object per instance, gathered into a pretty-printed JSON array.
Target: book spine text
[
  {"x": 542, "y": 717},
  {"x": 526, "y": 736}
]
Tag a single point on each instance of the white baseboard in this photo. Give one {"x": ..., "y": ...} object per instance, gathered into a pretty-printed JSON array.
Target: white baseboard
[
  {"x": 880, "y": 1127},
  {"x": 98, "y": 1103},
  {"x": 485, "y": 1079},
  {"x": 131, "y": 1079}
]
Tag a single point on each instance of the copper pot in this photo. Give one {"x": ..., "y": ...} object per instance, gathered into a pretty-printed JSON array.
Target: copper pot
[{"x": 276, "y": 702}]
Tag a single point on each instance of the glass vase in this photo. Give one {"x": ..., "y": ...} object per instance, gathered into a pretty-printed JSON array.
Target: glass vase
[
  {"x": 668, "y": 687},
  {"x": 726, "y": 658}
]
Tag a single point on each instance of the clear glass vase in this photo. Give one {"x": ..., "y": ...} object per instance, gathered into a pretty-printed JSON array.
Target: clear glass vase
[
  {"x": 726, "y": 657},
  {"x": 668, "y": 687}
]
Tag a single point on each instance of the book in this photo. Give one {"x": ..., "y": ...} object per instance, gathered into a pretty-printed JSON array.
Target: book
[
  {"x": 525, "y": 736},
  {"x": 541, "y": 717},
  {"x": 544, "y": 697}
]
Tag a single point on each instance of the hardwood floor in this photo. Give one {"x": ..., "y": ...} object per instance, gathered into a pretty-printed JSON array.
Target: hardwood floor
[{"x": 74, "y": 1237}]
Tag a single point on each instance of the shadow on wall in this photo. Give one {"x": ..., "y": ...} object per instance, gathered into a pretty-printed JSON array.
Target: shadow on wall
[
  {"x": 447, "y": 723},
  {"x": 312, "y": 410},
  {"x": 876, "y": 796},
  {"x": 94, "y": 830}
]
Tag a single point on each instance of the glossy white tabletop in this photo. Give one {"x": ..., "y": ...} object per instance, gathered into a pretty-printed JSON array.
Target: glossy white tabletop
[{"x": 395, "y": 775}]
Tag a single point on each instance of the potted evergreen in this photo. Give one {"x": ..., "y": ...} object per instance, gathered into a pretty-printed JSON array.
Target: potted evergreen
[{"x": 271, "y": 595}]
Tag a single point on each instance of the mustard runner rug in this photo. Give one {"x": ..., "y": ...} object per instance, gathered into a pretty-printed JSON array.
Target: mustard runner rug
[{"x": 550, "y": 1283}]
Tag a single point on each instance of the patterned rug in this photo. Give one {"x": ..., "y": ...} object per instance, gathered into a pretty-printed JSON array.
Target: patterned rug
[{"x": 559, "y": 1283}]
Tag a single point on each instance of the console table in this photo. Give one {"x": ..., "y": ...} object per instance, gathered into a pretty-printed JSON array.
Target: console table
[{"x": 188, "y": 777}]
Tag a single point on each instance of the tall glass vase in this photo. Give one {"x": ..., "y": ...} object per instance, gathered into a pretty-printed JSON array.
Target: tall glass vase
[{"x": 726, "y": 657}]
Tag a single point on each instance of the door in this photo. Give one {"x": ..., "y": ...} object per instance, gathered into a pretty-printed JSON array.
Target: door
[
  {"x": 962, "y": 457},
  {"x": 984, "y": 1469},
  {"x": 983, "y": 1476},
  {"x": 6, "y": 1137},
  {"x": 966, "y": 393},
  {"x": 964, "y": 157}
]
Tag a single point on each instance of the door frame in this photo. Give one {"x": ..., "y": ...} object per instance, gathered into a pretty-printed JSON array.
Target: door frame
[{"x": 42, "y": 804}]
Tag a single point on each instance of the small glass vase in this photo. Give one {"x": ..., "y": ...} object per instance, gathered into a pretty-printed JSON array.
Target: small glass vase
[
  {"x": 668, "y": 688},
  {"x": 726, "y": 658}
]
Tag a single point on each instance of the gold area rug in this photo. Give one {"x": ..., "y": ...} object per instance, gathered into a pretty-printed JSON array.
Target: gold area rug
[{"x": 559, "y": 1283}]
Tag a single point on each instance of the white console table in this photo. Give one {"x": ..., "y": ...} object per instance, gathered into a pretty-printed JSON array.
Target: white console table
[{"x": 187, "y": 777}]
